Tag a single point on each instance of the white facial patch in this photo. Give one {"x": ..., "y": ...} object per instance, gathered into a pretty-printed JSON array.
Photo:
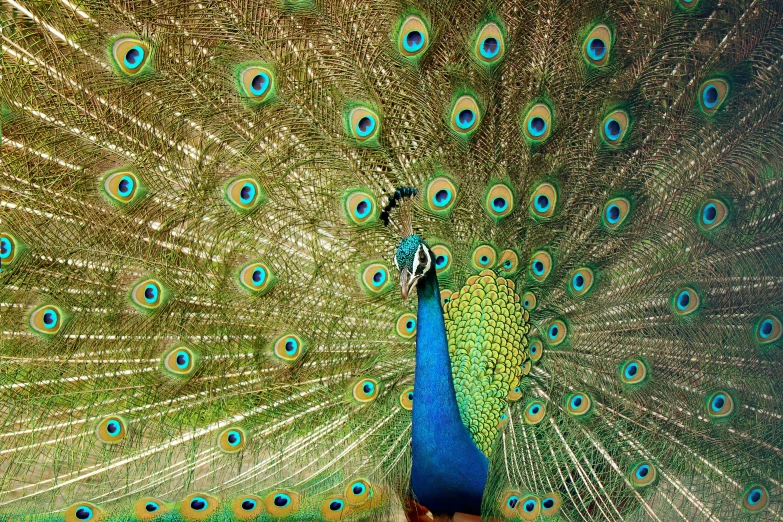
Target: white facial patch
[{"x": 422, "y": 261}]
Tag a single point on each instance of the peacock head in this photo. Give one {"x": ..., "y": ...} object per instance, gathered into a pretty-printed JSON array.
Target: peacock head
[{"x": 413, "y": 259}]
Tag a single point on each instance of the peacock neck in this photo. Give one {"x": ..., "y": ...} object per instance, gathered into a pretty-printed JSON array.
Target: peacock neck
[{"x": 449, "y": 472}]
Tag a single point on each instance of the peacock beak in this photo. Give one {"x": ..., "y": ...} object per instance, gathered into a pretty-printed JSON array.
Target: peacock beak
[{"x": 407, "y": 282}]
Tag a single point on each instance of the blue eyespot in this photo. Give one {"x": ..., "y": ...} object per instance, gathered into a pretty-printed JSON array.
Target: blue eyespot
[
  {"x": 503, "y": 417},
  {"x": 465, "y": 118},
  {"x": 84, "y": 513},
  {"x": 410, "y": 325},
  {"x": 754, "y": 495},
  {"x": 538, "y": 267},
  {"x": 151, "y": 507},
  {"x": 182, "y": 360},
  {"x": 151, "y": 293},
  {"x": 249, "y": 504},
  {"x": 612, "y": 128},
  {"x": 548, "y": 503},
  {"x": 282, "y": 500},
  {"x": 613, "y": 213},
  {"x": 410, "y": 396},
  {"x": 365, "y": 126},
  {"x": 199, "y": 504},
  {"x": 368, "y": 388},
  {"x": 578, "y": 282},
  {"x": 534, "y": 349},
  {"x": 576, "y": 401},
  {"x": 631, "y": 370},
  {"x": 709, "y": 214},
  {"x": 413, "y": 41},
  {"x": 710, "y": 96},
  {"x": 512, "y": 501},
  {"x": 499, "y": 204},
  {"x": 125, "y": 186},
  {"x": 379, "y": 278},
  {"x": 490, "y": 47},
  {"x": 541, "y": 203},
  {"x": 765, "y": 328},
  {"x": 113, "y": 428},
  {"x": 363, "y": 208},
  {"x": 553, "y": 331},
  {"x": 442, "y": 197},
  {"x": 683, "y": 300},
  {"x": 134, "y": 57},
  {"x": 50, "y": 318},
  {"x": 484, "y": 260},
  {"x": 358, "y": 488},
  {"x": 530, "y": 505},
  {"x": 596, "y": 49},
  {"x": 291, "y": 346},
  {"x": 247, "y": 193},
  {"x": 441, "y": 261},
  {"x": 337, "y": 505},
  {"x": 718, "y": 402},
  {"x": 535, "y": 409},
  {"x": 5, "y": 248},
  {"x": 259, "y": 84},
  {"x": 536, "y": 126},
  {"x": 526, "y": 303},
  {"x": 234, "y": 438},
  {"x": 642, "y": 471},
  {"x": 259, "y": 276}
]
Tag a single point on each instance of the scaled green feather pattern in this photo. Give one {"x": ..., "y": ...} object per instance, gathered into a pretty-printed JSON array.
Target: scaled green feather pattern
[{"x": 199, "y": 307}]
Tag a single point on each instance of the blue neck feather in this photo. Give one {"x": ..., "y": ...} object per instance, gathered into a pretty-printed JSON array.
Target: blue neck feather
[{"x": 449, "y": 472}]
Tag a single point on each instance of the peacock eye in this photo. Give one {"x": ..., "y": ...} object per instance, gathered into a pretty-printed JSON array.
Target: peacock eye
[
  {"x": 540, "y": 265},
  {"x": 509, "y": 262},
  {"x": 47, "y": 320},
  {"x": 643, "y": 474},
  {"x": 769, "y": 329},
  {"x": 406, "y": 398},
  {"x": 255, "y": 83},
  {"x": 111, "y": 429},
  {"x": 500, "y": 201},
  {"x": 614, "y": 127},
  {"x": 84, "y": 513},
  {"x": 713, "y": 213},
  {"x": 413, "y": 38},
  {"x": 615, "y": 212},
  {"x": 686, "y": 301},
  {"x": 578, "y": 404},
  {"x": 442, "y": 258},
  {"x": 551, "y": 503},
  {"x": 232, "y": 440},
  {"x": 360, "y": 208},
  {"x": 122, "y": 187},
  {"x": 288, "y": 348},
  {"x": 581, "y": 281},
  {"x": 543, "y": 201},
  {"x": 363, "y": 124},
  {"x": 484, "y": 257},
  {"x": 528, "y": 507},
  {"x": 633, "y": 372},
  {"x": 756, "y": 498},
  {"x": 179, "y": 361},
  {"x": 720, "y": 405},
  {"x": 281, "y": 503},
  {"x": 465, "y": 116},
  {"x": 597, "y": 45},
  {"x": 712, "y": 94},
  {"x": 535, "y": 412},
  {"x": 357, "y": 492},
  {"x": 490, "y": 44},
  {"x": 366, "y": 390},
  {"x": 441, "y": 195},
  {"x": 129, "y": 55},
  {"x": 537, "y": 123}
]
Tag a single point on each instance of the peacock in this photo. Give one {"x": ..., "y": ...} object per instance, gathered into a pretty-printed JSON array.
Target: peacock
[{"x": 424, "y": 260}]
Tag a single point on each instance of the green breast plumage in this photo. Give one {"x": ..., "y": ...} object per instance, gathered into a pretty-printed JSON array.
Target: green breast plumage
[{"x": 487, "y": 332}]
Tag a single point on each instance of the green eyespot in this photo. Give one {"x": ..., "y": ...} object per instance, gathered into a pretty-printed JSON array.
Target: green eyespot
[
  {"x": 643, "y": 474},
  {"x": 508, "y": 262},
  {"x": 598, "y": 45},
  {"x": 256, "y": 278},
  {"x": 179, "y": 361},
  {"x": 364, "y": 125},
  {"x": 712, "y": 214},
  {"x": 406, "y": 326},
  {"x": 198, "y": 506},
  {"x": 289, "y": 348},
  {"x": 543, "y": 201},
  {"x": 10, "y": 249},
  {"x": 440, "y": 196},
  {"x": 48, "y": 320},
  {"x": 615, "y": 212},
  {"x": 111, "y": 430},
  {"x": 756, "y": 498},
  {"x": 281, "y": 503},
  {"x": 685, "y": 301},
  {"x": 247, "y": 507},
  {"x": 484, "y": 257},
  {"x": 578, "y": 404},
  {"x": 413, "y": 38},
  {"x": 256, "y": 83},
  {"x": 376, "y": 279},
  {"x": 614, "y": 127},
  {"x": 130, "y": 56},
  {"x": 537, "y": 123},
  {"x": 360, "y": 208},
  {"x": 148, "y": 295},
  {"x": 244, "y": 194},
  {"x": 122, "y": 187},
  {"x": 500, "y": 201},
  {"x": 365, "y": 390},
  {"x": 489, "y": 46},
  {"x": 556, "y": 332},
  {"x": 232, "y": 440},
  {"x": 540, "y": 265},
  {"x": 634, "y": 372},
  {"x": 712, "y": 94},
  {"x": 465, "y": 116},
  {"x": 720, "y": 405}
]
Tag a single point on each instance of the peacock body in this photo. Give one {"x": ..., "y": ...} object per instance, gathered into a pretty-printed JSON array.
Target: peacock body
[{"x": 207, "y": 206}]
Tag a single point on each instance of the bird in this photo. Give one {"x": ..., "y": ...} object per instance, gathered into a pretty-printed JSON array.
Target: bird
[{"x": 413, "y": 260}]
